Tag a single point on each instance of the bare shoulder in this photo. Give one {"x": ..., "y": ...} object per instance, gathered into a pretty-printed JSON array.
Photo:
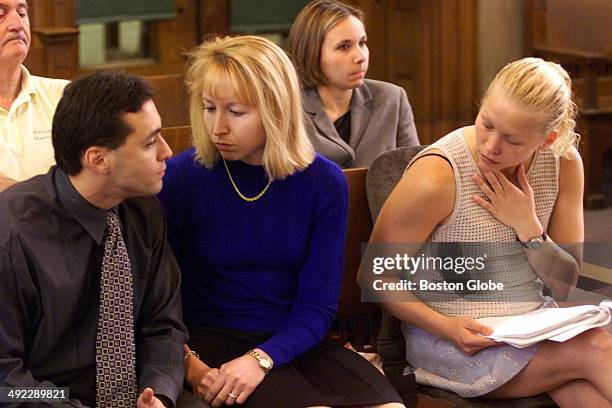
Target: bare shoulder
[
  {"x": 571, "y": 171},
  {"x": 424, "y": 197},
  {"x": 571, "y": 160},
  {"x": 431, "y": 174}
]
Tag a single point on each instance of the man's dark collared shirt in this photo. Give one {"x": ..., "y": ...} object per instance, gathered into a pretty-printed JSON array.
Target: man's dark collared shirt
[{"x": 51, "y": 248}]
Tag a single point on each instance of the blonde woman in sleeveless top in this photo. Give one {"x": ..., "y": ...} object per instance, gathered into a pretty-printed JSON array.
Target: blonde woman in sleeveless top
[{"x": 514, "y": 177}]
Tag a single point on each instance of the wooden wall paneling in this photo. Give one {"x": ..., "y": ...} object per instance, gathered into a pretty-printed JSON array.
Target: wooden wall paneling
[
  {"x": 582, "y": 25},
  {"x": 444, "y": 66},
  {"x": 171, "y": 40},
  {"x": 535, "y": 26},
  {"x": 424, "y": 99},
  {"x": 59, "y": 51},
  {"x": 403, "y": 56},
  {"x": 577, "y": 36},
  {"x": 408, "y": 45},
  {"x": 41, "y": 13},
  {"x": 408, "y": 36},
  {"x": 468, "y": 63},
  {"x": 34, "y": 60},
  {"x": 589, "y": 65},
  {"x": 448, "y": 67},
  {"x": 376, "y": 29},
  {"x": 64, "y": 13},
  {"x": 434, "y": 58},
  {"x": 54, "y": 47},
  {"x": 446, "y": 63},
  {"x": 378, "y": 41},
  {"x": 213, "y": 18},
  {"x": 51, "y": 13},
  {"x": 456, "y": 54},
  {"x": 594, "y": 129}
]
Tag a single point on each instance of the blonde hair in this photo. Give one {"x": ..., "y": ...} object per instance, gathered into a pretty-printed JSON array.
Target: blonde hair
[
  {"x": 260, "y": 75},
  {"x": 308, "y": 32},
  {"x": 545, "y": 88}
]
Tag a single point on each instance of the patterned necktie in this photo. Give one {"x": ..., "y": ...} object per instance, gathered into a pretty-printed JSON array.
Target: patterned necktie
[{"x": 115, "y": 347}]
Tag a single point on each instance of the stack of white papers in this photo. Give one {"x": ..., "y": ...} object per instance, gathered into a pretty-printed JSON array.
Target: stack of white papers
[{"x": 557, "y": 324}]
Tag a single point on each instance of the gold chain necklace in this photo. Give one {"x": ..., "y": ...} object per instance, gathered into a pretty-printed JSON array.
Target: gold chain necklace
[{"x": 245, "y": 198}]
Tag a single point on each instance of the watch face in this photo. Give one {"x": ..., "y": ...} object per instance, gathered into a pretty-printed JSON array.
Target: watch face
[
  {"x": 534, "y": 244},
  {"x": 265, "y": 363}
]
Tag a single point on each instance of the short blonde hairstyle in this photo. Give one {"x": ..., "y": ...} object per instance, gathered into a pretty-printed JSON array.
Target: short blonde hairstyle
[
  {"x": 261, "y": 75},
  {"x": 308, "y": 32},
  {"x": 545, "y": 88}
]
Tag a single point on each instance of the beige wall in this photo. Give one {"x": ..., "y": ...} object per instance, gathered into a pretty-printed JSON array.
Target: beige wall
[{"x": 500, "y": 36}]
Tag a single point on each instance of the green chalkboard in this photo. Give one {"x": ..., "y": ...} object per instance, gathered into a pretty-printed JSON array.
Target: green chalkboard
[
  {"x": 96, "y": 11},
  {"x": 263, "y": 16}
]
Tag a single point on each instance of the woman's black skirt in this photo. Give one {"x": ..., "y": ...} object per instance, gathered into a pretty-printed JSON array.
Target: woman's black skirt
[{"x": 327, "y": 374}]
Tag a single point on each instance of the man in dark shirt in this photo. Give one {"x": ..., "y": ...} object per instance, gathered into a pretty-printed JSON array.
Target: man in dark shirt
[{"x": 110, "y": 158}]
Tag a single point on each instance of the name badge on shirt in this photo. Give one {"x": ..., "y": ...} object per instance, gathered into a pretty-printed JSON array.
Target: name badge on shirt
[{"x": 42, "y": 134}]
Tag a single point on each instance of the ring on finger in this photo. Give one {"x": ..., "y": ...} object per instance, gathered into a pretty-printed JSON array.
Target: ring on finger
[{"x": 232, "y": 395}]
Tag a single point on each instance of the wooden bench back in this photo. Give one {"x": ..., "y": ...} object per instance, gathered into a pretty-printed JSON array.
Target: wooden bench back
[
  {"x": 178, "y": 138},
  {"x": 358, "y": 230},
  {"x": 358, "y": 322},
  {"x": 171, "y": 98}
]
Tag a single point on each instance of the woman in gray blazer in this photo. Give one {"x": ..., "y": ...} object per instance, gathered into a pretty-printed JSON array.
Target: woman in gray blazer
[{"x": 349, "y": 119}]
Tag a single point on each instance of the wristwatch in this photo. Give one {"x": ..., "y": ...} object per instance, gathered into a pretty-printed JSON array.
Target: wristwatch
[
  {"x": 533, "y": 243},
  {"x": 264, "y": 362}
]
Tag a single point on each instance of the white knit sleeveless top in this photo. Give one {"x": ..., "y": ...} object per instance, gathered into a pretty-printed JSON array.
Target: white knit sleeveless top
[{"x": 470, "y": 223}]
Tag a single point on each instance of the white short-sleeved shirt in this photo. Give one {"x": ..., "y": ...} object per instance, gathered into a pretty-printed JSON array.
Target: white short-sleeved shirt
[{"x": 25, "y": 129}]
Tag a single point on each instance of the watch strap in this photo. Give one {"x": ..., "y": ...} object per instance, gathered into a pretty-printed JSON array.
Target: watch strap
[
  {"x": 260, "y": 360},
  {"x": 529, "y": 244}
]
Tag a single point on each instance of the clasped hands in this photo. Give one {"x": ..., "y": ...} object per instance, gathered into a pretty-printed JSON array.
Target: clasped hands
[{"x": 230, "y": 384}]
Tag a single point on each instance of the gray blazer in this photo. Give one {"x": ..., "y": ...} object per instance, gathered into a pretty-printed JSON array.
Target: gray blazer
[{"x": 381, "y": 119}]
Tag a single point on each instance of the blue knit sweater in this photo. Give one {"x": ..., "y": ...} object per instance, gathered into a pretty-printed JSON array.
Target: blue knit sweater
[{"x": 270, "y": 265}]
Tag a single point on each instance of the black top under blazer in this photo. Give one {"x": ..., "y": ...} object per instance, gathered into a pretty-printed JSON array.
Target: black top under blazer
[{"x": 381, "y": 120}]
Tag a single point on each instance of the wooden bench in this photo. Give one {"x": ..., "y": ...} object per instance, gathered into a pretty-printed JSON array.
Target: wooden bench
[
  {"x": 171, "y": 99},
  {"x": 178, "y": 138},
  {"x": 358, "y": 321}
]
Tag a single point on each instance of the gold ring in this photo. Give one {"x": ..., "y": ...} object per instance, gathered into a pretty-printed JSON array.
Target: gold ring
[{"x": 232, "y": 395}]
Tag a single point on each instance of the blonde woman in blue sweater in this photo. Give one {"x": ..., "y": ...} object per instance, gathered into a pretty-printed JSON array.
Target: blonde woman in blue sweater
[{"x": 257, "y": 223}]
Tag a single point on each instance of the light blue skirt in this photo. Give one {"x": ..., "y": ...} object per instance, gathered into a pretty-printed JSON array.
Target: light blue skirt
[{"x": 438, "y": 363}]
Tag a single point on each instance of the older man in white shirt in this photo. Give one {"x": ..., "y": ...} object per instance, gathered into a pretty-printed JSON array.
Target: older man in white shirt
[{"x": 27, "y": 102}]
